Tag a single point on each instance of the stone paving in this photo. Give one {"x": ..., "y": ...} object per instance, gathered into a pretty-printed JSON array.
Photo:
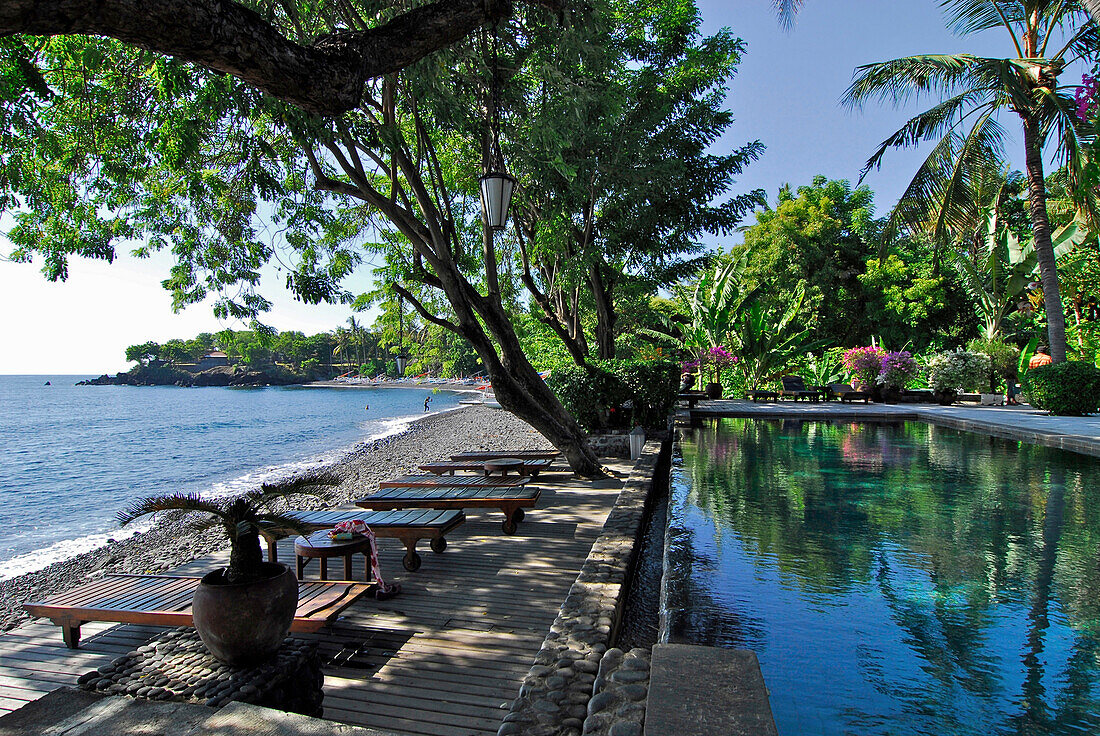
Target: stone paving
[{"x": 1077, "y": 434}]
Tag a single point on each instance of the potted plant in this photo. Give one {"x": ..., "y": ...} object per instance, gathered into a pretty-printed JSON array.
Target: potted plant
[
  {"x": 865, "y": 364},
  {"x": 719, "y": 358},
  {"x": 242, "y": 612},
  {"x": 897, "y": 372},
  {"x": 951, "y": 371}
]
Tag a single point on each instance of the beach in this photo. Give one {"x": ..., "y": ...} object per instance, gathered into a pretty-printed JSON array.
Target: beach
[{"x": 170, "y": 544}]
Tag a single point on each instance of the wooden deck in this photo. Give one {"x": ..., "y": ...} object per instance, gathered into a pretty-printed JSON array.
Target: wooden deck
[{"x": 441, "y": 658}]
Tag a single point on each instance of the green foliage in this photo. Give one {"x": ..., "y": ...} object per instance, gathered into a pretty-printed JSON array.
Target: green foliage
[
  {"x": 1064, "y": 389},
  {"x": 589, "y": 393},
  {"x": 959, "y": 370},
  {"x": 767, "y": 338},
  {"x": 1003, "y": 358},
  {"x": 617, "y": 393}
]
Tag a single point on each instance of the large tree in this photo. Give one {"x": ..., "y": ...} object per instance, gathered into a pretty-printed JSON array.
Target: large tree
[
  {"x": 623, "y": 197},
  {"x": 1046, "y": 35},
  {"x": 112, "y": 142},
  {"x": 261, "y": 43}
]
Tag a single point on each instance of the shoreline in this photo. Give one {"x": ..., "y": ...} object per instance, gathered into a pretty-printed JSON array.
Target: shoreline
[
  {"x": 456, "y": 387},
  {"x": 432, "y": 437}
]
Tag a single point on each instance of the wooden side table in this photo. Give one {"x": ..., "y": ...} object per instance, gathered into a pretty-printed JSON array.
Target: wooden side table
[
  {"x": 323, "y": 547},
  {"x": 503, "y": 464}
]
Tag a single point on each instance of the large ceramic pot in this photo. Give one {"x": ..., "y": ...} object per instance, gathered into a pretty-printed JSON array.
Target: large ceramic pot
[
  {"x": 244, "y": 623},
  {"x": 891, "y": 394},
  {"x": 714, "y": 390}
]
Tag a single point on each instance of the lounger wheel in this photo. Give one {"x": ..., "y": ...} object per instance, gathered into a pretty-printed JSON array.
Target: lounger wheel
[
  {"x": 509, "y": 526},
  {"x": 411, "y": 561},
  {"x": 438, "y": 545},
  {"x": 518, "y": 515}
]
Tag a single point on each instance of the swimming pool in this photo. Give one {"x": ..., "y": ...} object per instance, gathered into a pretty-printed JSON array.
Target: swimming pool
[{"x": 893, "y": 579}]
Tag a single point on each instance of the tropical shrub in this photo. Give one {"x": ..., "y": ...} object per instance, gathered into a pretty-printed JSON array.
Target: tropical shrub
[
  {"x": 1067, "y": 389},
  {"x": 617, "y": 393},
  {"x": 821, "y": 370},
  {"x": 716, "y": 359},
  {"x": 958, "y": 371},
  {"x": 898, "y": 369},
  {"x": 1002, "y": 356},
  {"x": 864, "y": 364},
  {"x": 652, "y": 386}
]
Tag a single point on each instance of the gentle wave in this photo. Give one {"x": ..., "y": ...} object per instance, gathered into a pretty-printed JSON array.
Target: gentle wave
[{"x": 68, "y": 548}]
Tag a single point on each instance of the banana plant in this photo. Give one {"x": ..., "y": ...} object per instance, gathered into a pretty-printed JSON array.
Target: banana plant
[
  {"x": 999, "y": 276},
  {"x": 767, "y": 340},
  {"x": 715, "y": 304}
]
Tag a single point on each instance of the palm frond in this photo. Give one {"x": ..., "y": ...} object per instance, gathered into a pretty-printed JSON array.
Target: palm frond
[
  {"x": 901, "y": 80},
  {"x": 787, "y": 9},
  {"x": 972, "y": 16},
  {"x": 170, "y": 502}
]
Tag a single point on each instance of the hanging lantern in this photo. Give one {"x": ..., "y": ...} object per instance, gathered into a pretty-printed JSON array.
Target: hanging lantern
[
  {"x": 496, "y": 194},
  {"x": 401, "y": 361}
]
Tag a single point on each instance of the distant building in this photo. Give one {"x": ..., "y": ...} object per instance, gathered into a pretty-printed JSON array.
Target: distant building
[{"x": 212, "y": 360}]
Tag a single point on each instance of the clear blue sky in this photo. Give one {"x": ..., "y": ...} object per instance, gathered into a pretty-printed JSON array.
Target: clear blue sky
[{"x": 786, "y": 95}]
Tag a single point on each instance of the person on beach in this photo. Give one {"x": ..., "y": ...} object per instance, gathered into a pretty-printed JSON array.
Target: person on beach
[{"x": 427, "y": 401}]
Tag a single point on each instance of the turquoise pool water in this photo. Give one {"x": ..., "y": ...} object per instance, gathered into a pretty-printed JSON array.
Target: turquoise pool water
[{"x": 893, "y": 579}]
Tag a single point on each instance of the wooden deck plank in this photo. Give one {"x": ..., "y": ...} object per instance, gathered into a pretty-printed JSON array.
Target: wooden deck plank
[{"x": 439, "y": 660}]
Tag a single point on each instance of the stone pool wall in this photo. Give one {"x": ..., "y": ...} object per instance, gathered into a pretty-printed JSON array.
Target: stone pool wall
[{"x": 554, "y": 698}]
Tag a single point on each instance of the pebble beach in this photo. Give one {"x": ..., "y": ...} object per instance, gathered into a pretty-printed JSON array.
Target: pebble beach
[{"x": 169, "y": 544}]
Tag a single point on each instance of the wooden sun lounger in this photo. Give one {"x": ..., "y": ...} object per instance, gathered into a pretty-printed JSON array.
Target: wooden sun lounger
[
  {"x": 526, "y": 466},
  {"x": 470, "y": 481},
  {"x": 512, "y": 501},
  {"x": 165, "y": 600},
  {"x": 410, "y": 526},
  {"x": 494, "y": 455}
]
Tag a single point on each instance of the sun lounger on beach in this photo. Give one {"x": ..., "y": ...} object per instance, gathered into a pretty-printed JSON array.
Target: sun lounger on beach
[
  {"x": 165, "y": 600},
  {"x": 495, "y": 454},
  {"x": 410, "y": 526},
  {"x": 511, "y": 500},
  {"x": 470, "y": 481},
  {"x": 488, "y": 466}
]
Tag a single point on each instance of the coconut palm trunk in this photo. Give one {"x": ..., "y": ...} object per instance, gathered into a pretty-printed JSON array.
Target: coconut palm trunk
[{"x": 1044, "y": 248}]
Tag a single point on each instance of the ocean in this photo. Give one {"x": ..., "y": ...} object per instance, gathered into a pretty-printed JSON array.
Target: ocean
[{"x": 72, "y": 456}]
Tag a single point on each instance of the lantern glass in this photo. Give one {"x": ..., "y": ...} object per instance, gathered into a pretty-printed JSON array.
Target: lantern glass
[
  {"x": 402, "y": 361},
  {"x": 496, "y": 195}
]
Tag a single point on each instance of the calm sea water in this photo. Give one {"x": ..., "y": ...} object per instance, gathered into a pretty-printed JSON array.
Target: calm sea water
[
  {"x": 71, "y": 456},
  {"x": 894, "y": 579}
]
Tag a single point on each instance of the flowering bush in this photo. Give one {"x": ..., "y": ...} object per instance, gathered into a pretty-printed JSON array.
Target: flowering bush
[
  {"x": 960, "y": 370},
  {"x": 864, "y": 364},
  {"x": 718, "y": 357},
  {"x": 1086, "y": 95},
  {"x": 898, "y": 370}
]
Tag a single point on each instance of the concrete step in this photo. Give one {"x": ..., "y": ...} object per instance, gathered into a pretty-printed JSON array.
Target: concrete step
[
  {"x": 71, "y": 712},
  {"x": 703, "y": 691}
]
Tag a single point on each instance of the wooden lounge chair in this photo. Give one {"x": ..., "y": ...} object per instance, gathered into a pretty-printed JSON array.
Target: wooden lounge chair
[
  {"x": 494, "y": 454},
  {"x": 511, "y": 500},
  {"x": 487, "y": 466},
  {"x": 691, "y": 397},
  {"x": 795, "y": 387},
  {"x": 410, "y": 526},
  {"x": 761, "y": 395},
  {"x": 470, "y": 481},
  {"x": 845, "y": 392},
  {"x": 165, "y": 600}
]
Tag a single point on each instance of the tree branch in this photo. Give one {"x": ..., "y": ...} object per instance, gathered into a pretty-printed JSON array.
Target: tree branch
[
  {"x": 325, "y": 78},
  {"x": 423, "y": 310}
]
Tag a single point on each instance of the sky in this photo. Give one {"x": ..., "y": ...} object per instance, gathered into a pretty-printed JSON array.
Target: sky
[{"x": 786, "y": 94}]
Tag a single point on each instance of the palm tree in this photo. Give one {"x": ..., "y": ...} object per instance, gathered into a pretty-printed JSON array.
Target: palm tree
[
  {"x": 356, "y": 331},
  {"x": 343, "y": 343},
  {"x": 1046, "y": 36},
  {"x": 242, "y": 519}
]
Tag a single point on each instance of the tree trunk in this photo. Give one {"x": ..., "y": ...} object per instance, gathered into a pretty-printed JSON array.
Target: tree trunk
[
  {"x": 517, "y": 385},
  {"x": 1044, "y": 248},
  {"x": 606, "y": 317}
]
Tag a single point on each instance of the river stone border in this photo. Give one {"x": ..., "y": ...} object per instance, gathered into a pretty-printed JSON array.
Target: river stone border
[{"x": 556, "y": 693}]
